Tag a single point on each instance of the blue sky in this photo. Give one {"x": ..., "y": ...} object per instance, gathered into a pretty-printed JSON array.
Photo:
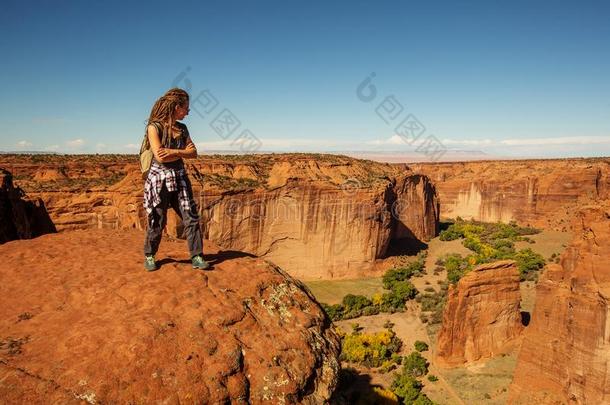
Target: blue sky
[{"x": 512, "y": 79}]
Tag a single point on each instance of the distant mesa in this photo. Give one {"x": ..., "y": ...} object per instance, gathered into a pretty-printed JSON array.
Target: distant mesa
[{"x": 50, "y": 174}]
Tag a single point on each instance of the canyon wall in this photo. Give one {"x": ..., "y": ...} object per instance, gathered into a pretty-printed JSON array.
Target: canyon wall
[
  {"x": 541, "y": 193},
  {"x": 481, "y": 318},
  {"x": 315, "y": 216},
  {"x": 565, "y": 355}
]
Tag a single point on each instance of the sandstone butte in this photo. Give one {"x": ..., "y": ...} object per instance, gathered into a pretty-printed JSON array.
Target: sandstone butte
[
  {"x": 481, "y": 318},
  {"x": 565, "y": 354},
  {"x": 82, "y": 322},
  {"x": 540, "y": 193},
  {"x": 316, "y": 216}
]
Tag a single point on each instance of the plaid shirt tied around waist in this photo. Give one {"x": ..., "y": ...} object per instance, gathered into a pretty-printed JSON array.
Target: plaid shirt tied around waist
[{"x": 174, "y": 180}]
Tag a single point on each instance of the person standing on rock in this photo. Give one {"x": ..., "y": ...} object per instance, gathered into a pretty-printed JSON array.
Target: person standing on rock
[{"x": 167, "y": 183}]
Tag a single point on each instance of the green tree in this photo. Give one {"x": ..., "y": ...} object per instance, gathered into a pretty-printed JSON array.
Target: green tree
[
  {"x": 406, "y": 387},
  {"x": 334, "y": 312},
  {"x": 421, "y": 346},
  {"x": 353, "y": 302},
  {"x": 528, "y": 263},
  {"x": 401, "y": 292},
  {"x": 415, "y": 365}
]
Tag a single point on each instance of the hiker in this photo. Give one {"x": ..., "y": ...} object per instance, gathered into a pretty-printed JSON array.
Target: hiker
[{"x": 167, "y": 183}]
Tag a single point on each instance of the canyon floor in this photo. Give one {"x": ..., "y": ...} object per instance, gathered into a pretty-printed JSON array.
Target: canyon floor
[{"x": 485, "y": 382}]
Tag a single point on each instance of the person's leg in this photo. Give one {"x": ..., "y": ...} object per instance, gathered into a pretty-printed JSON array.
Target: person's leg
[
  {"x": 156, "y": 222},
  {"x": 190, "y": 222}
]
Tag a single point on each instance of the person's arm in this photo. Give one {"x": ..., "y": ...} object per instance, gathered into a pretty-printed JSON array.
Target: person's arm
[
  {"x": 162, "y": 154},
  {"x": 190, "y": 151}
]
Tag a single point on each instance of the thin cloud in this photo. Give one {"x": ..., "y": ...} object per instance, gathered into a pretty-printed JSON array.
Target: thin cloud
[
  {"x": 75, "y": 143},
  {"x": 564, "y": 140},
  {"x": 393, "y": 140},
  {"x": 270, "y": 144},
  {"x": 468, "y": 142},
  {"x": 24, "y": 144}
]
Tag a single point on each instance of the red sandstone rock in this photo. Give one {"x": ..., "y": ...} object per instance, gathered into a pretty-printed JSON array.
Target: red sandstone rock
[
  {"x": 80, "y": 320},
  {"x": 20, "y": 217},
  {"x": 542, "y": 193},
  {"x": 315, "y": 216},
  {"x": 481, "y": 317},
  {"x": 565, "y": 355}
]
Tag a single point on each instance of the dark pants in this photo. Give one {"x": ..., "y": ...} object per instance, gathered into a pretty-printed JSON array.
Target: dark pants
[{"x": 158, "y": 218}]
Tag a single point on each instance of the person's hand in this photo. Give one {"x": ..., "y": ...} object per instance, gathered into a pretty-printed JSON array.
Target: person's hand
[
  {"x": 164, "y": 153},
  {"x": 190, "y": 147}
]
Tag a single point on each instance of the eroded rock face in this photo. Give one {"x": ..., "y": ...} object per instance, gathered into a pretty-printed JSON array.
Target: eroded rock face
[
  {"x": 88, "y": 323},
  {"x": 323, "y": 217},
  {"x": 565, "y": 355},
  {"x": 20, "y": 217},
  {"x": 318, "y": 231},
  {"x": 482, "y": 317},
  {"x": 541, "y": 193}
]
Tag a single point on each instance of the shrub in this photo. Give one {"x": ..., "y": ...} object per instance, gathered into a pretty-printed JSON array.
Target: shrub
[
  {"x": 401, "y": 274},
  {"x": 353, "y": 302},
  {"x": 388, "y": 324},
  {"x": 387, "y": 366},
  {"x": 372, "y": 310},
  {"x": 450, "y": 233},
  {"x": 400, "y": 293},
  {"x": 456, "y": 266},
  {"x": 356, "y": 328},
  {"x": 406, "y": 387},
  {"x": 370, "y": 350},
  {"x": 382, "y": 397},
  {"x": 422, "y": 399},
  {"x": 528, "y": 263},
  {"x": 434, "y": 303},
  {"x": 415, "y": 365},
  {"x": 432, "y": 378},
  {"x": 334, "y": 312},
  {"x": 421, "y": 346}
]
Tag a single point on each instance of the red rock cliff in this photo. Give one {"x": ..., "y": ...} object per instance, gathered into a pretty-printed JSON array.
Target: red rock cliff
[
  {"x": 316, "y": 216},
  {"x": 87, "y": 323},
  {"x": 481, "y": 317},
  {"x": 542, "y": 193},
  {"x": 565, "y": 355}
]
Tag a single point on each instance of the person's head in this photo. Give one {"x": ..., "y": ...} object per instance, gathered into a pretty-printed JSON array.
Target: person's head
[{"x": 172, "y": 106}]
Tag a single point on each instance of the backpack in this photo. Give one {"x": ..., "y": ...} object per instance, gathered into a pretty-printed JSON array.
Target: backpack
[{"x": 146, "y": 154}]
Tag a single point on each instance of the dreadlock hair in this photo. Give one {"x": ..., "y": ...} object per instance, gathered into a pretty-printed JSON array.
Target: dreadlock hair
[{"x": 162, "y": 113}]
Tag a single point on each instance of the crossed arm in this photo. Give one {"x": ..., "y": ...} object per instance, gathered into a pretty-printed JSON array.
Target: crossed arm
[{"x": 166, "y": 155}]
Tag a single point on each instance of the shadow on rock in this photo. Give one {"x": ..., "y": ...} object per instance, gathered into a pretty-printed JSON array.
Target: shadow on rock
[
  {"x": 356, "y": 389},
  {"x": 224, "y": 255}
]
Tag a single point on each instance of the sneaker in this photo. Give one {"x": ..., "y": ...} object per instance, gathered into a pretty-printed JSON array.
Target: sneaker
[
  {"x": 199, "y": 263},
  {"x": 149, "y": 263}
]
